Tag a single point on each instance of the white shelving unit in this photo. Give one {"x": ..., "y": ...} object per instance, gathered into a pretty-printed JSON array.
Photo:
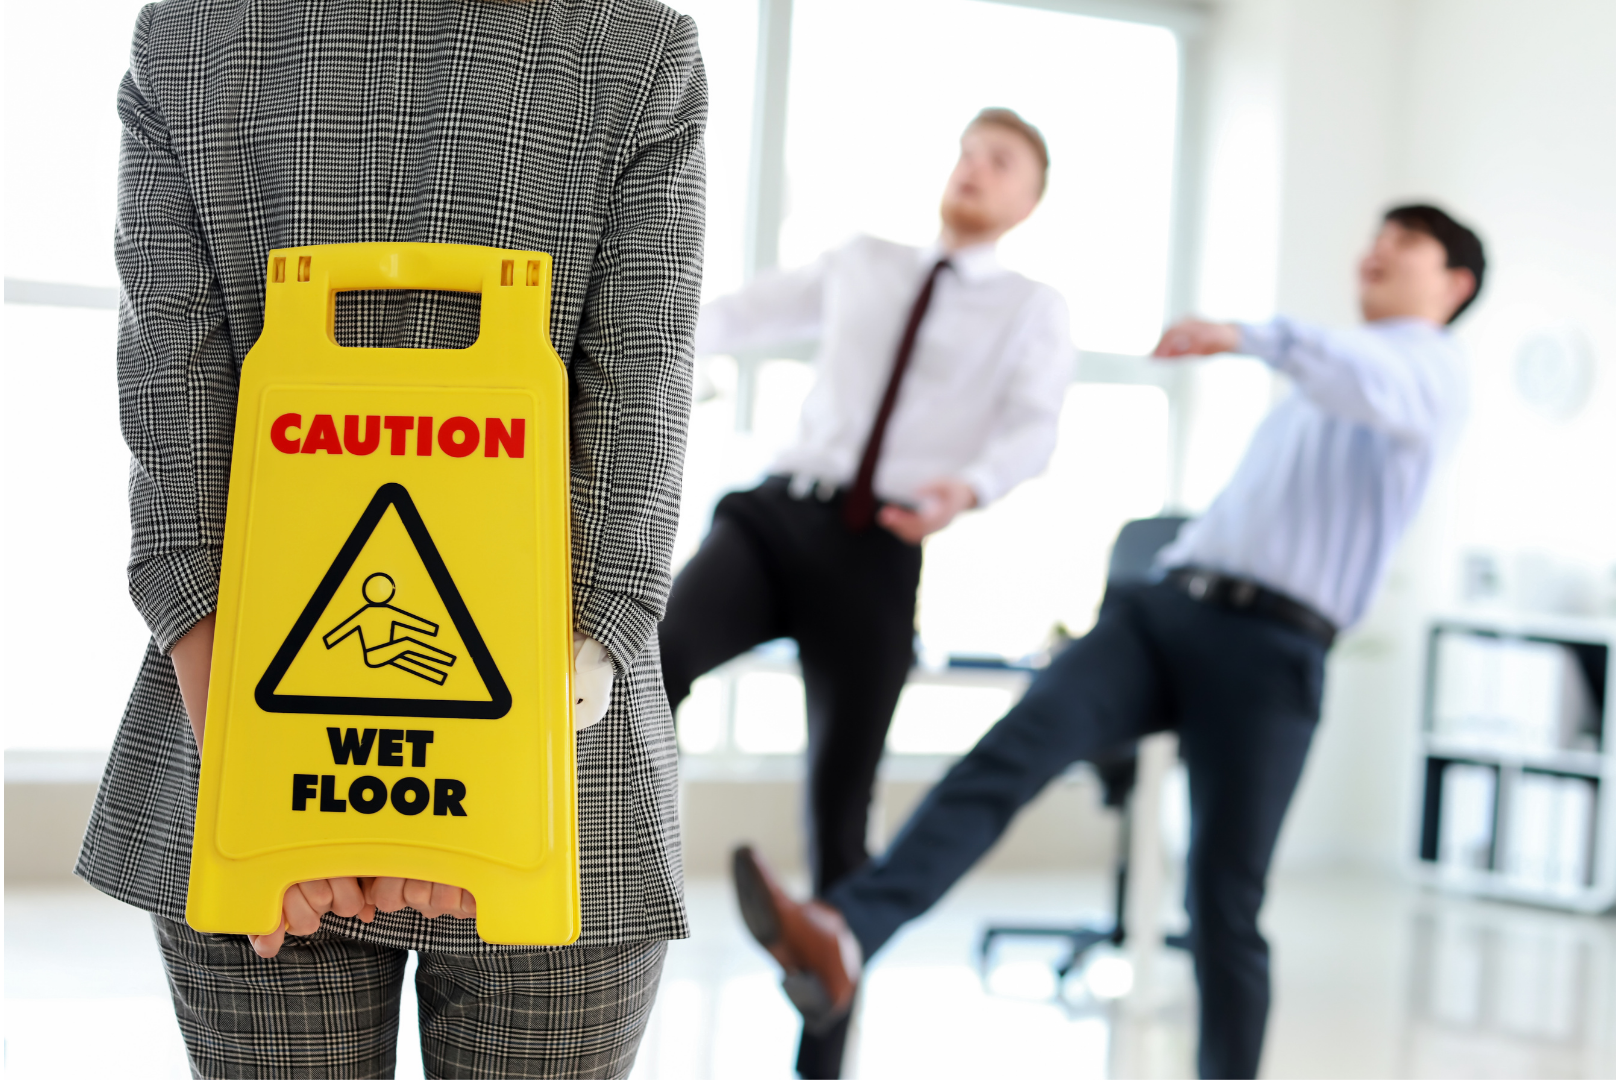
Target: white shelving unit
[{"x": 1516, "y": 736}]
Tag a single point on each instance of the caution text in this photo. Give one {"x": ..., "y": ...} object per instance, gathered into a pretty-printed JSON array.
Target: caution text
[{"x": 406, "y": 436}]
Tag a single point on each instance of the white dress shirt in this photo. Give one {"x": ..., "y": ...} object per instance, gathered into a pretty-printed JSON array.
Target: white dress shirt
[
  {"x": 1336, "y": 472},
  {"x": 982, "y": 395}
]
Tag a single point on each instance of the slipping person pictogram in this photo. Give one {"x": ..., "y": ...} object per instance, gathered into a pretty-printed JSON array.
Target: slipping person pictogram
[
  {"x": 388, "y": 636},
  {"x": 378, "y": 625}
]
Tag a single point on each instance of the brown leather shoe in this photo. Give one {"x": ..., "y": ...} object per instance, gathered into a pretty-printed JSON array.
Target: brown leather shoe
[{"x": 810, "y": 940}]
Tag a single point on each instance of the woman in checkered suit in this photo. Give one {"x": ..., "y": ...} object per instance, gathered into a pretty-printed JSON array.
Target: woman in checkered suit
[{"x": 567, "y": 126}]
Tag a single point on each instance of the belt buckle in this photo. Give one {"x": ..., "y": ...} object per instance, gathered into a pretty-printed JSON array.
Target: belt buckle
[{"x": 1198, "y": 586}]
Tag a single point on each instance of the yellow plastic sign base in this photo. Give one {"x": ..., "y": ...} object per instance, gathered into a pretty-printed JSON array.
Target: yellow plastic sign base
[{"x": 391, "y": 688}]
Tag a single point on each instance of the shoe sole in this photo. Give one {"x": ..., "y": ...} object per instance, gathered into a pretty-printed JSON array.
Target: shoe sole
[
  {"x": 802, "y": 988},
  {"x": 807, "y": 993},
  {"x": 756, "y": 903}
]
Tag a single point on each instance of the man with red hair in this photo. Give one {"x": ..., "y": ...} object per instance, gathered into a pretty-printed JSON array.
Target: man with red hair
[{"x": 941, "y": 376}]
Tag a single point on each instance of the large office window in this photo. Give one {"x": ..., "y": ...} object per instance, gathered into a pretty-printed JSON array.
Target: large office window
[
  {"x": 996, "y": 583},
  {"x": 1000, "y": 581},
  {"x": 879, "y": 91},
  {"x": 63, "y": 66}
]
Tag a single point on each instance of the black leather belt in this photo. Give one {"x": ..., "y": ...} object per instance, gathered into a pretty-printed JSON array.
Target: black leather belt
[
  {"x": 1243, "y": 594},
  {"x": 804, "y": 488}
]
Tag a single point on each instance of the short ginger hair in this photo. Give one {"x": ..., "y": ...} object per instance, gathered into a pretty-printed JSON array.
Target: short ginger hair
[{"x": 1012, "y": 121}]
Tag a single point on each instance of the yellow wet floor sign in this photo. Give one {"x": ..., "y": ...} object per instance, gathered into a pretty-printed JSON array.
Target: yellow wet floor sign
[{"x": 391, "y": 686}]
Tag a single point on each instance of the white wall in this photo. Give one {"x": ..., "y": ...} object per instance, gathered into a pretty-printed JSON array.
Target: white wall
[
  {"x": 1241, "y": 116},
  {"x": 1345, "y": 69},
  {"x": 1512, "y": 112},
  {"x": 1322, "y": 113}
]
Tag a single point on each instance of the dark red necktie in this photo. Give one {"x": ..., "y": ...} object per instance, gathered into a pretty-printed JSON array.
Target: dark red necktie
[{"x": 858, "y": 512}]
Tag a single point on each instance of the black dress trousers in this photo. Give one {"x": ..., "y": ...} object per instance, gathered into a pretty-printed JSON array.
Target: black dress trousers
[
  {"x": 776, "y": 566},
  {"x": 1243, "y": 693}
]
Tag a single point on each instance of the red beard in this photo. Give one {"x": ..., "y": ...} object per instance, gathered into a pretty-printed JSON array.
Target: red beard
[{"x": 964, "y": 218}]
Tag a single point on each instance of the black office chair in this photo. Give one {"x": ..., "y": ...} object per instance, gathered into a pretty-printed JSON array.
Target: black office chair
[{"x": 1132, "y": 558}]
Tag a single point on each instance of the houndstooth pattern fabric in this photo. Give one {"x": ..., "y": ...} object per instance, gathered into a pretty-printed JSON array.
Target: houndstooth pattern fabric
[
  {"x": 328, "y": 1006},
  {"x": 568, "y": 126}
]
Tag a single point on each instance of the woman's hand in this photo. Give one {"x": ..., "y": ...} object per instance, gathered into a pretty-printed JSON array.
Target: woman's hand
[
  {"x": 430, "y": 898},
  {"x": 192, "y": 657},
  {"x": 592, "y": 674},
  {"x": 306, "y": 901}
]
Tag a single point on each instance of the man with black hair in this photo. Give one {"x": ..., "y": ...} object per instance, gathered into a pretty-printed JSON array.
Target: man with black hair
[{"x": 1227, "y": 647}]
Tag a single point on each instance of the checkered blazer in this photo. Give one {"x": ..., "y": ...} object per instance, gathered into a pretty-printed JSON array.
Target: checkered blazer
[{"x": 567, "y": 126}]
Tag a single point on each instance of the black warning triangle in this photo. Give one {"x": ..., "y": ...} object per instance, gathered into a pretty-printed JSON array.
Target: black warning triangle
[{"x": 398, "y": 498}]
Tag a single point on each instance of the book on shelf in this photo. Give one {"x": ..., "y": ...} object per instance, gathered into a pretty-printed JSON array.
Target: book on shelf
[
  {"x": 1510, "y": 979},
  {"x": 1508, "y": 692},
  {"x": 1466, "y": 815},
  {"x": 1548, "y": 832}
]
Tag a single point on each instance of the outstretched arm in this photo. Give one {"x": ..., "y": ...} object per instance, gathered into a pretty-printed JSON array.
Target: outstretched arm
[
  {"x": 1356, "y": 374},
  {"x": 413, "y": 623},
  {"x": 343, "y": 629}
]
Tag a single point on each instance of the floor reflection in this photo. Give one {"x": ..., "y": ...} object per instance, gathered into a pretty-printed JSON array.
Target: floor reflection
[
  {"x": 1372, "y": 977},
  {"x": 1506, "y": 991}
]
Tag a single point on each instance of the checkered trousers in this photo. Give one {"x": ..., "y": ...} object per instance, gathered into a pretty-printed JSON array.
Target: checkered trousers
[
  {"x": 328, "y": 1006},
  {"x": 572, "y": 127}
]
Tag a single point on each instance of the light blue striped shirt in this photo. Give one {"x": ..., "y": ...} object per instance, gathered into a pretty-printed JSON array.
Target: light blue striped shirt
[{"x": 1335, "y": 473}]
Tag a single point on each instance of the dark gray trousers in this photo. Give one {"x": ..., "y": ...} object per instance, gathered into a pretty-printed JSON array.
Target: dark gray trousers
[{"x": 327, "y": 1006}]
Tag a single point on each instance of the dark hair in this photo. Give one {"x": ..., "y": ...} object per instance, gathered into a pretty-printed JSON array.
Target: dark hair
[
  {"x": 1009, "y": 118},
  {"x": 1460, "y": 241}
]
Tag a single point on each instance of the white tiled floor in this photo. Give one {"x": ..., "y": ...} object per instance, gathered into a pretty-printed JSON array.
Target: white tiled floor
[{"x": 1372, "y": 978}]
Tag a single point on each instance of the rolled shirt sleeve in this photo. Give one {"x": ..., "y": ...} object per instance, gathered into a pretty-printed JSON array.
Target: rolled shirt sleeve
[
  {"x": 177, "y": 375},
  {"x": 1355, "y": 374},
  {"x": 632, "y": 367},
  {"x": 1027, "y": 420}
]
